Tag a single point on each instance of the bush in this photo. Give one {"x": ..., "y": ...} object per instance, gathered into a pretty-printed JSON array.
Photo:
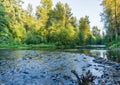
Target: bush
[
  {"x": 33, "y": 39},
  {"x": 5, "y": 39}
]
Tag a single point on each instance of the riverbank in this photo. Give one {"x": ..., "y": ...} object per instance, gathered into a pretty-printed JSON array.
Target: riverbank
[
  {"x": 34, "y": 46},
  {"x": 114, "y": 44},
  {"x": 26, "y": 46},
  {"x": 36, "y": 67},
  {"x": 45, "y": 45}
]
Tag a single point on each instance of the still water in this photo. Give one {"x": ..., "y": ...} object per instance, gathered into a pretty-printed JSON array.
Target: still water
[{"x": 113, "y": 55}]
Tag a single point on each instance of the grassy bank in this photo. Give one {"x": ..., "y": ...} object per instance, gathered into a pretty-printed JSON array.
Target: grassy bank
[
  {"x": 26, "y": 46},
  {"x": 114, "y": 44}
]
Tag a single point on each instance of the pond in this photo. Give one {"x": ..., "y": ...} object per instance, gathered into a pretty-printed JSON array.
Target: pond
[{"x": 44, "y": 67}]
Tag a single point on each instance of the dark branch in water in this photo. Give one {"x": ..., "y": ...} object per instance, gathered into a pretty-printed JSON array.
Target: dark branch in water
[
  {"x": 85, "y": 79},
  {"x": 76, "y": 75}
]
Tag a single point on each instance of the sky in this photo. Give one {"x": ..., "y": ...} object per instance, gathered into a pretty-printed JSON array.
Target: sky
[{"x": 80, "y": 8}]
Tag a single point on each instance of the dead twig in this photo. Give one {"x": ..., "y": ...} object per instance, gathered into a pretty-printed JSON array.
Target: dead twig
[{"x": 84, "y": 79}]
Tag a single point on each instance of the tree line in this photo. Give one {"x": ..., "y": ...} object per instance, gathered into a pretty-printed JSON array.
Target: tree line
[
  {"x": 48, "y": 25},
  {"x": 111, "y": 18}
]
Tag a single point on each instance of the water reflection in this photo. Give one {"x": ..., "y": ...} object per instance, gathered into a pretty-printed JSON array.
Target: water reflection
[
  {"x": 113, "y": 55},
  {"x": 99, "y": 53},
  {"x": 11, "y": 54}
]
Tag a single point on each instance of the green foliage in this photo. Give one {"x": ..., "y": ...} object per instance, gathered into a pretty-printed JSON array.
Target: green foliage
[
  {"x": 66, "y": 36},
  {"x": 111, "y": 18},
  {"x": 49, "y": 25},
  {"x": 60, "y": 29},
  {"x": 5, "y": 38},
  {"x": 91, "y": 40},
  {"x": 114, "y": 55},
  {"x": 98, "y": 39},
  {"x": 84, "y": 30},
  {"x": 113, "y": 44},
  {"x": 32, "y": 38},
  {"x": 3, "y": 19},
  {"x": 81, "y": 38},
  {"x": 15, "y": 15}
]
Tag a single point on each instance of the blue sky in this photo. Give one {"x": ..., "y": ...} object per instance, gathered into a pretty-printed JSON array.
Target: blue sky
[{"x": 80, "y": 8}]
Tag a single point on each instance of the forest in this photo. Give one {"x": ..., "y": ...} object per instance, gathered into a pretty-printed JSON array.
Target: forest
[{"x": 56, "y": 25}]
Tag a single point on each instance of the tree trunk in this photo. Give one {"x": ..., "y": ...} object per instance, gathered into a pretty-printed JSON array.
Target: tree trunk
[{"x": 116, "y": 28}]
